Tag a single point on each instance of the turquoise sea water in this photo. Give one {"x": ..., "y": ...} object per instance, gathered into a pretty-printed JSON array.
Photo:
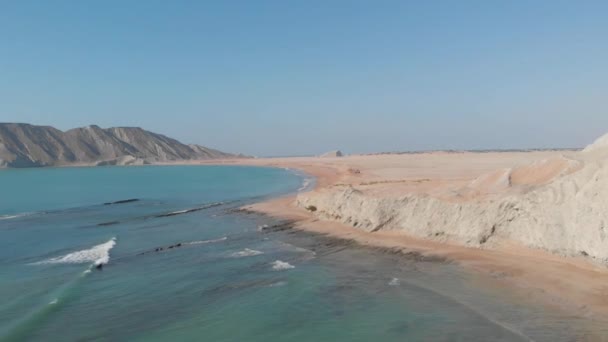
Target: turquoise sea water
[{"x": 180, "y": 264}]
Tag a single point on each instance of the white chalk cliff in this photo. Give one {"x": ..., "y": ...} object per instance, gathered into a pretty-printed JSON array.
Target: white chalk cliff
[{"x": 556, "y": 205}]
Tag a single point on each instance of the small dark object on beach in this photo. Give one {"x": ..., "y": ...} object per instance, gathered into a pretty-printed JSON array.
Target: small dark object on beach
[{"x": 311, "y": 208}]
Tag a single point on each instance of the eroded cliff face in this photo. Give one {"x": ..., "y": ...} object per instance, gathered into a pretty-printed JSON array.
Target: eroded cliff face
[
  {"x": 566, "y": 213},
  {"x": 24, "y": 145}
]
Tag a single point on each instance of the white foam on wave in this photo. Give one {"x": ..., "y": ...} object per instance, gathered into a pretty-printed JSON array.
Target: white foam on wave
[
  {"x": 9, "y": 217},
  {"x": 246, "y": 253},
  {"x": 54, "y": 301},
  {"x": 305, "y": 184},
  {"x": 394, "y": 282},
  {"x": 202, "y": 242},
  {"x": 279, "y": 265},
  {"x": 98, "y": 255},
  {"x": 191, "y": 210},
  {"x": 178, "y": 212},
  {"x": 278, "y": 284}
]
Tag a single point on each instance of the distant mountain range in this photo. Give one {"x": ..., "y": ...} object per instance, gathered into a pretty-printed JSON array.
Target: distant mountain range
[{"x": 25, "y": 145}]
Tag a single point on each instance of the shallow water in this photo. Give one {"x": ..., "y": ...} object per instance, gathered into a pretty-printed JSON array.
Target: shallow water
[{"x": 180, "y": 263}]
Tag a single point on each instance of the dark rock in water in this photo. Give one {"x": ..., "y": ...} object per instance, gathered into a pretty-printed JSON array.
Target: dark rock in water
[
  {"x": 187, "y": 211},
  {"x": 160, "y": 249},
  {"x": 122, "y": 201},
  {"x": 111, "y": 223},
  {"x": 99, "y": 266},
  {"x": 175, "y": 246},
  {"x": 279, "y": 227}
]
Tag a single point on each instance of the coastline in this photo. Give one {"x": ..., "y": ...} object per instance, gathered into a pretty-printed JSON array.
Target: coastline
[{"x": 572, "y": 284}]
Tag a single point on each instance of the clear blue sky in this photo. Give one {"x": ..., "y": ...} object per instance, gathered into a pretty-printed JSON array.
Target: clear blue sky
[{"x": 302, "y": 77}]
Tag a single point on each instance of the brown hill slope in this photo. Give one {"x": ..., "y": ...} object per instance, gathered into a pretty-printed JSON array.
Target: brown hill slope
[{"x": 25, "y": 145}]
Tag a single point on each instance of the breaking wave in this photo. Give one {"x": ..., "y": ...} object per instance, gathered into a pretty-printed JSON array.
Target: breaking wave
[
  {"x": 279, "y": 265},
  {"x": 306, "y": 183},
  {"x": 14, "y": 216},
  {"x": 98, "y": 255},
  {"x": 203, "y": 242},
  {"x": 246, "y": 253}
]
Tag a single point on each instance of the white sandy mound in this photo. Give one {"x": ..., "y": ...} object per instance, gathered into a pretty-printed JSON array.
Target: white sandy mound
[
  {"x": 522, "y": 177},
  {"x": 544, "y": 171},
  {"x": 600, "y": 143},
  {"x": 332, "y": 154},
  {"x": 492, "y": 182},
  {"x": 597, "y": 150}
]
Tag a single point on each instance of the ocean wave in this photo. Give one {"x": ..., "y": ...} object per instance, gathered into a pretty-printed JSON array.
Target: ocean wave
[
  {"x": 246, "y": 253},
  {"x": 305, "y": 184},
  {"x": 394, "y": 282},
  {"x": 279, "y": 265},
  {"x": 203, "y": 242},
  {"x": 278, "y": 284},
  {"x": 98, "y": 255},
  {"x": 14, "y": 216}
]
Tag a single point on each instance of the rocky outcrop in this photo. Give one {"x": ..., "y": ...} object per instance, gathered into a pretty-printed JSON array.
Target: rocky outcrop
[
  {"x": 24, "y": 145},
  {"x": 123, "y": 161}
]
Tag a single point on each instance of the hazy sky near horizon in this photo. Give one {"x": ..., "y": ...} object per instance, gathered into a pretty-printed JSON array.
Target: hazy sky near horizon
[{"x": 303, "y": 77}]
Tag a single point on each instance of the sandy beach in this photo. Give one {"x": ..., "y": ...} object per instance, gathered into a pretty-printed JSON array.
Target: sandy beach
[{"x": 475, "y": 183}]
